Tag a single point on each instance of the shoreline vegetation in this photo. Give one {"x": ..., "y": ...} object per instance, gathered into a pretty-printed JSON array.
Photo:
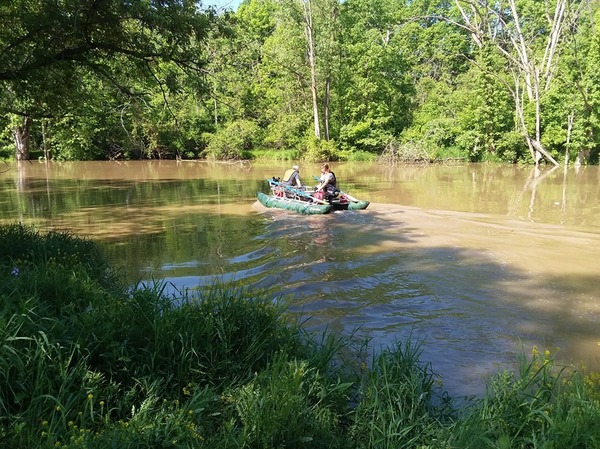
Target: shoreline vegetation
[
  {"x": 89, "y": 362},
  {"x": 349, "y": 80}
]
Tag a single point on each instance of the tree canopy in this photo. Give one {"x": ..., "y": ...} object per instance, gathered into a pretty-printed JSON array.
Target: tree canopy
[{"x": 314, "y": 79}]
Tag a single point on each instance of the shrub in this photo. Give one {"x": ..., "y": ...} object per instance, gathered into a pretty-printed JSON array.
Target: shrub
[
  {"x": 291, "y": 404},
  {"x": 318, "y": 150},
  {"x": 222, "y": 337},
  {"x": 234, "y": 141}
]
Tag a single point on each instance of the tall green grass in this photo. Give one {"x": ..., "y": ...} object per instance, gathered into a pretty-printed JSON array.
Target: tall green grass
[
  {"x": 88, "y": 362},
  {"x": 540, "y": 406},
  {"x": 395, "y": 405}
]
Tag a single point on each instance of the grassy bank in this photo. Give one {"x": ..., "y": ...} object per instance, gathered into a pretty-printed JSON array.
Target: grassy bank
[{"x": 87, "y": 362}]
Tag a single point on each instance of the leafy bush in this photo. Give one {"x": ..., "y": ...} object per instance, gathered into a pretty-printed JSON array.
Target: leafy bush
[
  {"x": 318, "y": 150},
  {"x": 234, "y": 141},
  {"x": 291, "y": 404},
  {"x": 511, "y": 147},
  {"x": 224, "y": 336},
  {"x": 285, "y": 133},
  {"x": 368, "y": 135}
]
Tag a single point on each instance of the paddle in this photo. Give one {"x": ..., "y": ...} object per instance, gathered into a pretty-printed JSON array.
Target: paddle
[
  {"x": 350, "y": 197},
  {"x": 296, "y": 191}
]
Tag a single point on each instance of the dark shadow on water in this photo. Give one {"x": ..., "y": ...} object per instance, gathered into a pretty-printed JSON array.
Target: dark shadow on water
[{"x": 363, "y": 271}]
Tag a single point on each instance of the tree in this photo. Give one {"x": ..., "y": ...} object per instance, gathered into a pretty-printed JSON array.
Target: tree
[
  {"x": 310, "y": 50},
  {"x": 48, "y": 48},
  {"x": 531, "y": 36},
  {"x": 391, "y": 50}
]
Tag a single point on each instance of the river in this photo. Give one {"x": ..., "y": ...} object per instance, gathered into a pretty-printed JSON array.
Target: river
[{"x": 478, "y": 262}]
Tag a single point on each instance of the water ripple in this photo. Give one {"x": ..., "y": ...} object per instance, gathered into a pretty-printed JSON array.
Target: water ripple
[{"x": 385, "y": 278}]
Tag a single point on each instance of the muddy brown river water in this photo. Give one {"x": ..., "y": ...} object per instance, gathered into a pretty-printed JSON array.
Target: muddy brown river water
[{"x": 479, "y": 262}]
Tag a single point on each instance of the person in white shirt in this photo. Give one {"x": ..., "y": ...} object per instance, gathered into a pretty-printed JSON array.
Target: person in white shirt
[{"x": 327, "y": 181}]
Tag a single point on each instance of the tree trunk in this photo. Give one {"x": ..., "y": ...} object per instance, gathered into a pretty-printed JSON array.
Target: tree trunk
[
  {"x": 312, "y": 63},
  {"x": 491, "y": 22},
  {"x": 45, "y": 142},
  {"x": 21, "y": 136},
  {"x": 535, "y": 146},
  {"x": 326, "y": 112}
]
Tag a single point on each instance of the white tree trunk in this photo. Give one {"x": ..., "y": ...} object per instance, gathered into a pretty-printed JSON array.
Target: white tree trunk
[
  {"x": 535, "y": 74},
  {"x": 21, "y": 137},
  {"x": 308, "y": 22},
  {"x": 326, "y": 107}
]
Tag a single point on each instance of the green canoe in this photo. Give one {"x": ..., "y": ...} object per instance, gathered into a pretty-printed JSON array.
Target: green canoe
[{"x": 303, "y": 207}]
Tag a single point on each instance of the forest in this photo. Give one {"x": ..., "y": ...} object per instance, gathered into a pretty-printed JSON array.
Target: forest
[{"x": 396, "y": 81}]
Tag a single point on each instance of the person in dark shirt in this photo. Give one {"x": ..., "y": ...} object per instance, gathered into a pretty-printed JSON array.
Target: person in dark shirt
[{"x": 292, "y": 177}]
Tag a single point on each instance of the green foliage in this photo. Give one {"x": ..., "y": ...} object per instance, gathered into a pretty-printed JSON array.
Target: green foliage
[
  {"x": 285, "y": 133},
  {"x": 432, "y": 123},
  {"x": 541, "y": 406},
  {"x": 484, "y": 111},
  {"x": 234, "y": 141},
  {"x": 127, "y": 80},
  {"x": 368, "y": 135},
  {"x": 509, "y": 148},
  {"x": 318, "y": 150},
  {"x": 374, "y": 88},
  {"x": 153, "y": 423},
  {"x": 75, "y": 64},
  {"x": 48, "y": 45},
  {"x": 395, "y": 402},
  {"x": 291, "y": 404},
  {"x": 22, "y": 248}
]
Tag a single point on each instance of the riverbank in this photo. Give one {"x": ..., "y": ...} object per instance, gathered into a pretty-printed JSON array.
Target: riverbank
[{"x": 88, "y": 363}]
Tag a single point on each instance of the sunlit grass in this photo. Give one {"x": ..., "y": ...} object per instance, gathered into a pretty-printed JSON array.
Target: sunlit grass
[
  {"x": 395, "y": 405},
  {"x": 543, "y": 405}
]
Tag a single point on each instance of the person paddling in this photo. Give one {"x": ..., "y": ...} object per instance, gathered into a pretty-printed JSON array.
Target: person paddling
[{"x": 327, "y": 182}]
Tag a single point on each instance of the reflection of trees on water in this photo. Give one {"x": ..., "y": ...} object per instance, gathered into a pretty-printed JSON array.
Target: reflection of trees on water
[
  {"x": 535, "y": 178},
  {"x": 563, "y": 203},
  {"x": 22, "y": 185},
  {"x": 545, "y": 193},
  {"x": 33, "y": 193},
  {"x": 5, "y": 168}
]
